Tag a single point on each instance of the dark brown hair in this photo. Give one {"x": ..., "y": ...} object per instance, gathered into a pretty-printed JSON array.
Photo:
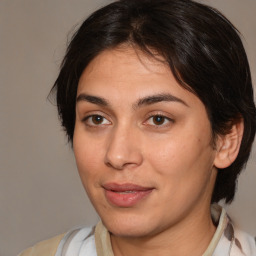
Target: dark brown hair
[{"x": 202, "y": 48}]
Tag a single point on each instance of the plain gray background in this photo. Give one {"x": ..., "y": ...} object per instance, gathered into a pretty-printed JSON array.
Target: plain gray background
[{"x": 40, "y": 191}]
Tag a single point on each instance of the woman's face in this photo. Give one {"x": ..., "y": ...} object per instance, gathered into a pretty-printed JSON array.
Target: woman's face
[{"x": 142, "y": 145}]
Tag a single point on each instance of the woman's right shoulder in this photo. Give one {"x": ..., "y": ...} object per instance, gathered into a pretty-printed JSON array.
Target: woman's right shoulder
[
  {"x": 47, "y": 247},
  {"x": 61, "y": 244}
]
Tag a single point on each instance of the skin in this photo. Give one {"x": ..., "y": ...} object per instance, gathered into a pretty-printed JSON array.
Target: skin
[{"x": 122, "y": 141}]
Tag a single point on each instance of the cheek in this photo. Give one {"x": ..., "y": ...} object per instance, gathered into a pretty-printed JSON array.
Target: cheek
[
  {"x": 88, "y": 156},
  {"x": 87, "y": 164},
  {"x": 182, "y": 173},
  {"x": 183, "y": 160},
  {"x": 170, "y": 154}
]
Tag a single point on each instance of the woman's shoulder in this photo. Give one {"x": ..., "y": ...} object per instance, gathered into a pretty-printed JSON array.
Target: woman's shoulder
[
  {"x": 229, "y": 239},
  {"x": 57, "y": 245},
  {"x": 47, "y": 247},
  {"x": 244, "y": 242}
]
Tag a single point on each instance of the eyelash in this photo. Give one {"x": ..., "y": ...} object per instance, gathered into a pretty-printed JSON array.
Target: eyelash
[{"x": 88, "y": 120}]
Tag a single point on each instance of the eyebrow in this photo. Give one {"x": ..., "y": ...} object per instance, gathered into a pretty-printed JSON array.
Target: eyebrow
[
  {"x": 148, "y": 100},
  {"x": 92, "y": 99}
]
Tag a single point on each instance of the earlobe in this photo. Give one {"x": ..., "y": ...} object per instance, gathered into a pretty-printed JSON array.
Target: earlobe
[{"x": 228, "y": 146}]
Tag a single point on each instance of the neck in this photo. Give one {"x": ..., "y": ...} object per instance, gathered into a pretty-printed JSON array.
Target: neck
[{"x": 188, "y": 237}]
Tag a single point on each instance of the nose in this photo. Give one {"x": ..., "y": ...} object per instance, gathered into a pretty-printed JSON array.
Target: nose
[{"x": 123, "y": 150}]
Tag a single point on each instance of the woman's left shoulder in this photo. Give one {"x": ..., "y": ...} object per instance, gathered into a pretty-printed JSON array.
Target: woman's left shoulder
[{"x": 244, "y": 241}]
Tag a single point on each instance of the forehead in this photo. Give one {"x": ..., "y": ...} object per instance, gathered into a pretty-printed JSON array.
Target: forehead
[
  {"x": 129, "y": 74},
  {"x": 123, "y": 60},
  {"x": 127, "y": 67}
]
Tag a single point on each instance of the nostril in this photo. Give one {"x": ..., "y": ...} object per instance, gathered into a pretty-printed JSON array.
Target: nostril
[
  {"x": 123, "y": 149},
  {"x": 118, "y": 165}
]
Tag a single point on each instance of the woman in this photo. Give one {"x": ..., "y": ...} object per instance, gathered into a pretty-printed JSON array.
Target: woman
[{"x": 157, "y": 101}]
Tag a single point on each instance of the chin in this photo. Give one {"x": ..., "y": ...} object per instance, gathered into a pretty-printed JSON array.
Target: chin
[
  {"x": 129, "y": 226},
  {"x": 127, "y": 230}
]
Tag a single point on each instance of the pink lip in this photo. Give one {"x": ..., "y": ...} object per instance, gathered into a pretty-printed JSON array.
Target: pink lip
[{"x": 125, "y": 195}]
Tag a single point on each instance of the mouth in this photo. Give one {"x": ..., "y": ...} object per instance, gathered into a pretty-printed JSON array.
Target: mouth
[{"x": 125, "y": 195}]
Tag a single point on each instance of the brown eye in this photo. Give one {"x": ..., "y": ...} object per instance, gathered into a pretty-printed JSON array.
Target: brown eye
[
  {"x": 158, "y": 120},
  {"x": 97, "y": 119}
]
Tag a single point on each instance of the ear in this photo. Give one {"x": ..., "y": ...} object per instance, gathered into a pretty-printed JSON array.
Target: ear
[{"x": 228, "y": 145}]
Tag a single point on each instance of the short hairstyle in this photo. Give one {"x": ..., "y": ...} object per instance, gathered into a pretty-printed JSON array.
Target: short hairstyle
[{"x": 203, "y": 50}]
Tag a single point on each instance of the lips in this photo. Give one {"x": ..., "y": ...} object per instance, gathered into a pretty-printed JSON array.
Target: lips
[{"x": 125, "y": 195}]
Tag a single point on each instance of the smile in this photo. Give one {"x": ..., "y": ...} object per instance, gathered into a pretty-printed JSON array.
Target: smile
[{"x": 125, "y": 195}]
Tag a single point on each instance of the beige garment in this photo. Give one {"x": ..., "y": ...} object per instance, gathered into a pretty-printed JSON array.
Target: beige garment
[
  {"x": 102, "y": 241},
  {"x": 44, "y": 248}
]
